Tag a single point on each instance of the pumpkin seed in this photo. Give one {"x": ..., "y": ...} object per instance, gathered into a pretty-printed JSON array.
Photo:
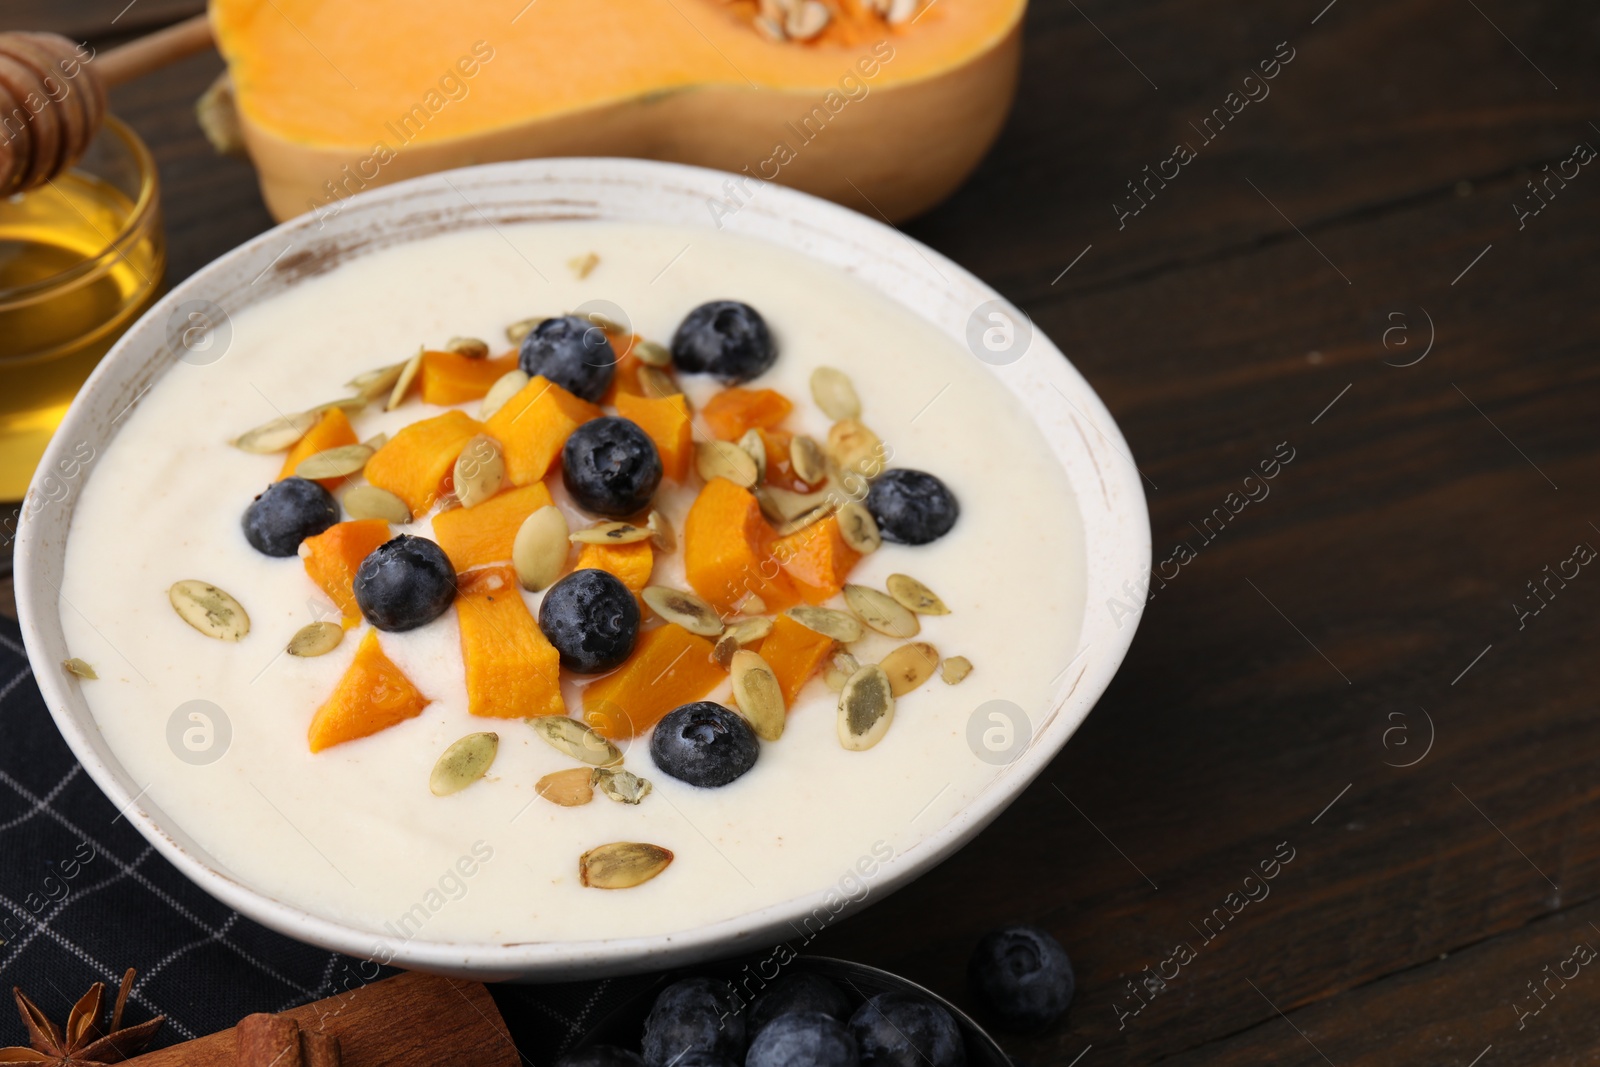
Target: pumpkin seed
[
  {"x": 539, "y": 551},
  {"x": 827, "y": 621},
  {"x": 370, "y": 502},
  {"x": 955, "y": 669},
  {"x": 758, "y": 694},
  {"x": 749, "y": 631},
  {"x": 463, "y": 763},
  {"x": 471, "y": 347},
  {"x": 652, "y": 354},
  {"x": 915, "y": 596},
  {"x": 582, "y": 265},
  {"x": 350, "y": 405},
  {"x": 856, "y": 448},
  {"x": 858, "y": 528},
  {"x": 610, "y": 533},
  {"x": 279, "y": 435},
  {"x": 521, "y": 328},
  {"x": 480, "y": 471},
  {"x": 806, "y": 460},
  {"x": 881, "y": 612},
  {"x": 909, "y": 666},
  {"x": 576, "y": 739},
  {"x": 625, "y": 787},
  {"x": 376, "y": 441},
  {"x": 685, "y": 609},
  {"x": 208, "y": 609},
  {"x": 866, "y": 708},
  {"x": 724, "y": 459},
  {"x": 796, "y": 525},
  {"x": 834, "y": 678},
  {"x": 569, "y": 788},
  {"x": 750, "y": 604},
  {"x": 339, "y": 462},
  {"x": 622, "y": 864},
  {"x": 504, "y": 388},
  {"x": 846, "y": 662},
  {"x": 370, "y": 385},
  {"x": 78, "y": 667},
  {"x": 661, "y": 534},
  {"x": 315, "y": 639},
  {"x": 834, "y": 394},
  {"x": 723, "y": 651},
  {"x": 850, "y": 485},
  {"x": 402, "y": 384},
  {"x": 781, "y": 505},
  {"x": 656, "y": 382},
  {"x": 752, "y": 443}
]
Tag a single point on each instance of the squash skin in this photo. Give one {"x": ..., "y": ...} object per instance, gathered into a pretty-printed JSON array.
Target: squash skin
[{"x": 928, "y": 123}]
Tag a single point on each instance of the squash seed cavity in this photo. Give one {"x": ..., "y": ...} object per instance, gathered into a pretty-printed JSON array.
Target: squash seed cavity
[
  {"x": 881, "y": 611},
  {"x": 571, "y": 737},
  {"x": 463, "y": 763},
  {"x": 866, "y": 708},
  {"x": 210, "y": 610},
  {"x": 622, "y": 864},
  {"x": 684, "y": 609},
  {"x": 315, "y": 639}
]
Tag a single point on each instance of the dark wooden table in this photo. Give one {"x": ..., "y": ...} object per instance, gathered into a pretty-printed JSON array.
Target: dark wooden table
[{"x": 1355, "y": 671}]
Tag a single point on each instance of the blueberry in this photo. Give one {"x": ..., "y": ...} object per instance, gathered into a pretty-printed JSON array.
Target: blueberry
[
  {"x": 803, "y": 1039},
  {"x": 611, "y": 467},
  {"x": 592, "y": 619},
  {"x": 703, "y": 744},
  {"x": 404, "y": 583},
  {"x": 288, "y": 512},
  {"x": 798, "y": 992},
  {"x": 912, "y": 507},
  {"x": 1022, "y": 975},
  {"x": 905, "y": 1030},
  {"x": 694, "y": 1015},
  {"x": 571, "y": 352},
  {"x": 601, "y": 1056},
  {"x": 725, "y": 339}
]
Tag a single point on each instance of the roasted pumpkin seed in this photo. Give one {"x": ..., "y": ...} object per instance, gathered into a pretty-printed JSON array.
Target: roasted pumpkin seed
[
  {"x": 757, "y": 693},
  {"x": 79, "y": 668},
  {"x": 470, "y": 347},
  {"x": 661, "y": 534},
  {"x": 656, "y": 382},
  {"x": 370, "y": 502},
  {"x": 858, "y": 528},
  {"x": 846, "y": 662},
  {"x": 750, "y": 604},
  {"x": 834, "y": 679},
  {"x": 784, "y": 529},
  {"x": 376, "y": 441},
  {"x": 370, "y": 385},
  {"x": 866, "y": 708},
  {"x": 685, "y": 609},
  {"x": 722, "y": 652},
  {"x": 522, "y": 327},
  {"x": 315, "y": 639},
  {"x": 480, "y": 471},
  {"x": 575, "y": 739},
  {"x": 622, "y": 864},
  {"x": 610, "y": 533},
  {"x": 749, "y": 631},
  {"x": 339, "y": 462},
  {"x": 806, "y": 460},
  {"x": 278, "y": 435},
  {"x": 909, "y": 666},
  {"x": 781, "y": 505},
  {"x": 350, "y": 405},
  {"x": 915, "y": 596},
  {"x": 652, "y": 354},
  {"x": 625, "y": 787},
  {"x": 752, "y": 443},
  {"x": 835, "y": 394},
  {"x": 955, "y": 669},
  {"x": 856, "y": 448},
  {"x": 504, "y": 388},
  {"x": 208, "y": 609},
  {"x": 609, "y": 325},
  {"x": 580, "y": 266},
  {"x": 881, "y": 611},
  {"x": 463, "y": 763},
  {"x": 539, "y": 551},
  {"x": 569, "y": 788},
  {"x": 830, "y": 622},
  {"x": 724, "y": 459},
  {"x": 402, "y": 384}
]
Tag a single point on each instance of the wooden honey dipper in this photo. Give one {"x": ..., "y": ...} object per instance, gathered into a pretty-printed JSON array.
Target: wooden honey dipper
[{"x": 53, "y": 94}]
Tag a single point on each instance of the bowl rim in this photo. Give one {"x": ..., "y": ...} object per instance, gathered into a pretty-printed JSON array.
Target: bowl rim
[{"x": 1120, "y": 533}]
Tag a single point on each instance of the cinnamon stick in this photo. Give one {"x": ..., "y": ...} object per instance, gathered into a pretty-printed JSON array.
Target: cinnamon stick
[
  {"x": 267, "y": 1041},
  {"x": 319, "y": 1050}
]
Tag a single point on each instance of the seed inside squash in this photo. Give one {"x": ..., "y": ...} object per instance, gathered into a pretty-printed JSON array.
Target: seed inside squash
[
  {"x": 463, "y": 763},
  {"x": 210, "y": 610},
  {"x": 622, "y": 864}
]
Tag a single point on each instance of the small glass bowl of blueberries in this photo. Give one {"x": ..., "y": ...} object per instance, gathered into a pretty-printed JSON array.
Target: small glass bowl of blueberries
[{"x": 811, "y": 1011}]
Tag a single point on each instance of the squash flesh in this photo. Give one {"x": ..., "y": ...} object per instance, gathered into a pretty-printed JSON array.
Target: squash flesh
[
  {"x": 416, "y": 459},
  {"x": 372, "y": 696},
  {"x": 483, "y": 534},
  {"x": 333, "y": 556},
  {"x": 669, "y": 666},
  {"x": 630, "y": 564},
  {"x": 451, "y": 378},
  {"x": 795, "y": 653},
  {"x": 331, "y": 431},
  {"x": 668, "y": 423},
  {"x": 816, "y": 559},
  {"x": 534, "y": 424},
  {"x": 727, "y": 551},
  {"x": 512, "y": 669}
]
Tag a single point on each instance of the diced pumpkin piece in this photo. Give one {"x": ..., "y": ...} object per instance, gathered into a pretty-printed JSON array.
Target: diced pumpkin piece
[
  {"x": 533, "y": 425},
  {"x": 816, "y": 559},
  {"x": 625, "y": 379},
  {"x": 794, "y": 653},
  {"x": 631, "y": 563},
  {"x": 666, "y": 420},
  {"x": 451, "y": 378},
  {"x": 418, "y": 457},
  {"x": 333, "y": 556},
  {"x": 780, "y": 472},
  {"x": 483, "y": 534},
  {"x": 735, "y": 410},
  {"x": 333, "y": 430},
  {"x": 727, "y": 550},
  {"x": 373, "y": 695},
  {"x": 669, "y": 666},
  {"x": 512, "y": 670}
]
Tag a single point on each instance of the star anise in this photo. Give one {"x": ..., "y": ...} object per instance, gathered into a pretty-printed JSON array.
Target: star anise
[{"x": 81, "y": 1043}]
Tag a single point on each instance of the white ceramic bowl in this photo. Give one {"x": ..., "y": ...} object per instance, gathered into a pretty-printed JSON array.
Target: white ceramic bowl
[{"x": 1080, "y": 431}]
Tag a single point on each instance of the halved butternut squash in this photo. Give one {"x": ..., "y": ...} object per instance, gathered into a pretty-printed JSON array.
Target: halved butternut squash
[
  {"x": 333, "y": 556},
  {"x": 727, "y": 550},
  {"x": 451, "y": 378},
  {"x": 331, "y": 431},
  {"x": 669, "y": 666},
  {"x": 483, "y": 534},
  {"x": 373, "y": 695},
  {"x": 794, "y": 653},
  {"x": 416, "y": 459},
  {"x": 667, "y": 420},
  {"x": 630, "y": 563},
  {"x": 816, "y": 559},
  {"x": 533, "y": 425},
  {"x": 732, "y": 412},
  {"x": 512, "y": 670}
]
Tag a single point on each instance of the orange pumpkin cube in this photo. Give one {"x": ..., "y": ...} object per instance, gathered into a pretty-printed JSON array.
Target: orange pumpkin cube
[
  {"x": 451, "y": 378},
  {"x": 668, "y": 422},
  {"x": 795, "y": 653},
  {"x": 533, "y": 425},
  {"x": 417, "y": 458},
  {"x": 331, "y": 431},
  {"x": 483, "y": 534},
  {"x": 333, "y": 556},
  {"x": 512, "y": 670},
  {"x": 728, "y": 550},
  {"x": 373, "y": 695},
  {"x": 735, "y": 410},
  {"x": 669, "y": 666},
  {"x": 630, "y": 563},
  {"x": 816, "y": 559}
]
